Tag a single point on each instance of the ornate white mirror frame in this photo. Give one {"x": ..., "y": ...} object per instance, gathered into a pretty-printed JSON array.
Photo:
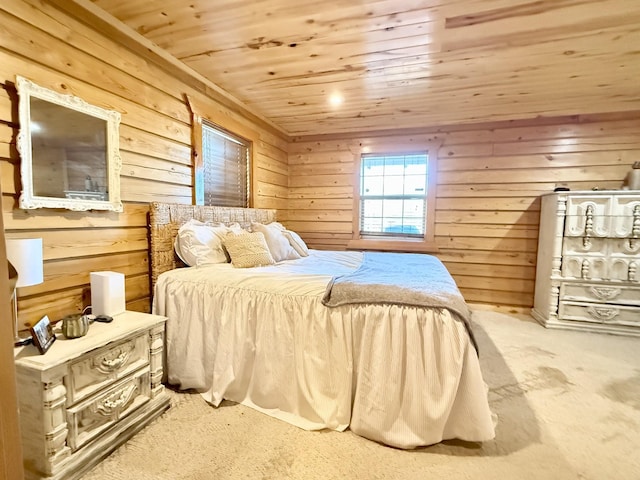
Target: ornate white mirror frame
[{"x": 70, "y": 151}]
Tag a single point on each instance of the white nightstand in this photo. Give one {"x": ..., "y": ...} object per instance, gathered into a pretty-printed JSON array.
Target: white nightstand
[{"x": 86, "y": 396}]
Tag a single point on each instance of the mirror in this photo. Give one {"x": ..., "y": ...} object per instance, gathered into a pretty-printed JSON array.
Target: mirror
[{"x": 69, "y": 149}]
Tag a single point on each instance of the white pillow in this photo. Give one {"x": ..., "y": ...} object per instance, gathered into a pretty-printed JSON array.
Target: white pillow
[
  {"x": 248, "y": 250},
  {"x": 278, "y": 244},
  {"x": 296, "y": 242},
  {"x": 199, "y": 244}
]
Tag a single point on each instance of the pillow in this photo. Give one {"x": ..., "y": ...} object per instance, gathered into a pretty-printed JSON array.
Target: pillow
[
  {"x": 296, "y": 242},
  {"x": 200, "y": 244},
  {"x": 278, "y": 244},
  {"x": 248, "y": 250}
]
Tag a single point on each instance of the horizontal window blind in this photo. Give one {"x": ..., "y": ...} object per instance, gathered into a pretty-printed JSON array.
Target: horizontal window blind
[{"x": 225, "y": 161}]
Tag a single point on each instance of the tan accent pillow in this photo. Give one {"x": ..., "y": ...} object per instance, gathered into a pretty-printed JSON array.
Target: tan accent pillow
[{"x": 248, "y": 250}]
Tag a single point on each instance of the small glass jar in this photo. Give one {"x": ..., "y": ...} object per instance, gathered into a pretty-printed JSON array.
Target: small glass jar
[{"x": 633, "y": 177}]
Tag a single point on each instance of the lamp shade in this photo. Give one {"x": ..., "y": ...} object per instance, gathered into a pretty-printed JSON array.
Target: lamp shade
[{"x": 25, "y": 254}]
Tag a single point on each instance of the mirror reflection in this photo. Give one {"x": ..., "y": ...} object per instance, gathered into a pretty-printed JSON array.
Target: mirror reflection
[
  {"x": 68, "y": 152},
  {"x": 69, "y": 149}
]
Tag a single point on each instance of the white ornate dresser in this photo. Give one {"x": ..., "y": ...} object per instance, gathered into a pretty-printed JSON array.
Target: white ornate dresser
[
  {"x": 86, "y": 396},
  {"x": 588, "y": 270}
]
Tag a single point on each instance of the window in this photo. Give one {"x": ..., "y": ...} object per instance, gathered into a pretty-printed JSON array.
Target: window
[
  {"x": 394, "y": 199},
  {"x": 225, "y": 168},
  {"x": 393, "y": 191},
  {"x": 222, "y": 161}
]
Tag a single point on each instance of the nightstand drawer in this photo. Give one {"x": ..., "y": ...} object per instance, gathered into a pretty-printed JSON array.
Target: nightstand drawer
[
  {"x": 93, "y": 416},
  {"x": 106, "y": 365}
]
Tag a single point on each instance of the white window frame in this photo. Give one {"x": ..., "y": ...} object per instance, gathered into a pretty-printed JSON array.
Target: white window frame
[{"x": 400, "y": 242}]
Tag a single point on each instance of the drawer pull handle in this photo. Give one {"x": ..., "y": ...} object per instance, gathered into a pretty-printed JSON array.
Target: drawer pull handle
[
  {"x": 604, "y": 293},
  {"x": 116, "y": 402},
  {"x": 602, "y": 313},
  {"x": 109, "y": 365}
]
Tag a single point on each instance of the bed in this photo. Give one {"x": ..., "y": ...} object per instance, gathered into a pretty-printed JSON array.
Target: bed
[{"x": 405, "y": 374}]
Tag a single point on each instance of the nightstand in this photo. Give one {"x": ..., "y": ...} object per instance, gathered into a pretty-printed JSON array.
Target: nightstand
[{"x": 86, "y": 396}]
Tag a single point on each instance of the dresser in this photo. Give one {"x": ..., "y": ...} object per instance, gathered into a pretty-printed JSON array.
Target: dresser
[
  {"x": 588, "y": 268},
  {"x": 86, "y": 396}
]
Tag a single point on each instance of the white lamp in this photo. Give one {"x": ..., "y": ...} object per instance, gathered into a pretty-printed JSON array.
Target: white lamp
[{"x": 25, "y": 254}]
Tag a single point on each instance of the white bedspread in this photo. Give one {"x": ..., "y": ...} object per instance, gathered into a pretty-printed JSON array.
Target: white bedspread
[{"x": 403, "y": 376}]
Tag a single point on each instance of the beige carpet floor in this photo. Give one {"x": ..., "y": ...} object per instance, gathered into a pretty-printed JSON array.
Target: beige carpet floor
[{"x": 568, "y": 407}]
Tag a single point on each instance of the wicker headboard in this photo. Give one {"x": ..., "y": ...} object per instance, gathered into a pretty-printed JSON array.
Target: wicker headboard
[{"x": 166, "y": 218}]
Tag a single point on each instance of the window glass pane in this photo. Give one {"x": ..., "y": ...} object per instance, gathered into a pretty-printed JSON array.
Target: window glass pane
[
  {"x": 372, "y": 208},
  {"x": 393, "y": 185},
  {"x": 372, "y": 186},
  {"x": 399, "y": 185},
  {"x": 392, "y": 208},
  {"x": 416, "y": 165},
  {"x": 373, "y": 166},
  {"x": 371, "y": 225},
  {"x": 414, "y": 209},
  {"x": 394, "y": 165},
  {"x": 415, "y": 185}
]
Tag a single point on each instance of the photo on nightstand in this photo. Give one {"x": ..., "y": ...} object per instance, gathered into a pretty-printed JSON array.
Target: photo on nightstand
[{"x": 43, "y": 335}]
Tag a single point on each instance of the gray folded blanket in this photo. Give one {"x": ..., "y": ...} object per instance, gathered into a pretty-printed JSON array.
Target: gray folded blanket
[{"x": 400, "y": 279}]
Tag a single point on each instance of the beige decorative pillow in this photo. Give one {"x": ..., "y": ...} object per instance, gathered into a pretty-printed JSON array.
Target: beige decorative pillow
[
  {"x": 278, "y": 244},
  {"x": 248, "y": 250}
]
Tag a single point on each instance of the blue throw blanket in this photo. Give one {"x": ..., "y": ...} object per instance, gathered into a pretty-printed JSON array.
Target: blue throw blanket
[{"x": 401, "y": 279}]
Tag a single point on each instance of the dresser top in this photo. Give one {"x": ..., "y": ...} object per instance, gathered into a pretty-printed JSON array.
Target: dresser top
[
  {"x": 595, "y": 192},
  {"x": 99, "y": 335}
]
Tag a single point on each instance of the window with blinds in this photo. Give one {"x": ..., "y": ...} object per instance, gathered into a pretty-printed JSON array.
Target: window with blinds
[
  {"x": 393, "y": 194},
  {"x": 225, "y": 164}
]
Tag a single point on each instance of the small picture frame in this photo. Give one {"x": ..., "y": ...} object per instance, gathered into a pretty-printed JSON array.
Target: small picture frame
[{"x": 43, "y": 336}]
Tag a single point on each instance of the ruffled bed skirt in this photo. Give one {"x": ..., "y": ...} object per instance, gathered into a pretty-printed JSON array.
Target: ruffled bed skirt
[{"x": 402, "y": 376}]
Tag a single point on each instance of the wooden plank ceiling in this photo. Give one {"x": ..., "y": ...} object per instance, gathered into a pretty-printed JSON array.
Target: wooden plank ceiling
[{"x": 402, "y": 63}]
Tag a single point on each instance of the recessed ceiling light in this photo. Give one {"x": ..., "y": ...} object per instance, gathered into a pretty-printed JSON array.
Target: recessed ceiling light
[{"x": 336, "y": 99}]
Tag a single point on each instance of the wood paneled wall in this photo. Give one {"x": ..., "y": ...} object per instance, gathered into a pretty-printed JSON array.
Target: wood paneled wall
[
  {"x": 57, "y": 51},
  {"x": 490, "y": 178}
]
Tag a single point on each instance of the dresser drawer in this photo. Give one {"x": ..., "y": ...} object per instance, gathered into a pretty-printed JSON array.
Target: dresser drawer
[
  {"x": 585, "y": 267},
  {"x": 626, "y": 221},
  {"x": 93, "y": 416},
  {"x": 584, "y": 245},
  {"x": 106, "y": 365},
  {"x": 599, "y": 313},
  {"x": 597, "y": 292},
  {"x": 588, "y": 216}
]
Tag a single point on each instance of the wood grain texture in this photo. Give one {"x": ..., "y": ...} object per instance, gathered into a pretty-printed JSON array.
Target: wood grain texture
[
  {"x": 402, "y": 64},
  {"x": 57, "y": 51},
  {"x": 490, "y": 178},
  {"x": 525, "y": 97}
]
